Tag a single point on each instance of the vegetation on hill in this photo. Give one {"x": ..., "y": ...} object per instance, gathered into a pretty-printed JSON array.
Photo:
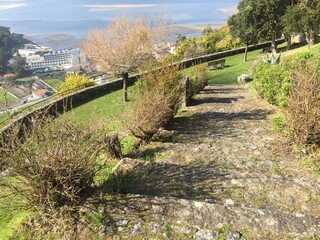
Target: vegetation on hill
[
  {"x": 210, "y": 41},
  {"x": 259, "y": 20},
  {"x": 9, "y": 43},
  {"x": 73, "y": 83}
]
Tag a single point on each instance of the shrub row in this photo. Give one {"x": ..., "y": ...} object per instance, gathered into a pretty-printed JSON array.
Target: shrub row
[
  {"x": 197, "y": 80},
  {"x": 272, "y": 82},
  {"x": 295, "y": 86}
]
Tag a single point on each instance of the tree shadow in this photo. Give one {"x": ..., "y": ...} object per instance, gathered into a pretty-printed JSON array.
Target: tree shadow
[
  {"x": 199, "y": 125},
  {"x": 225, "y": 90},
  {"x": 204, "y": 100},
  {"x": 195, "y": 181}
]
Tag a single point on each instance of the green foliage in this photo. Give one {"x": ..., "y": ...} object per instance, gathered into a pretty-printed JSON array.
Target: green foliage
[
  {"x": 73, "y": 83},
  {"x": 278, "y": 124},
  {"x": 9, "y": 43},
  {"x": 18, "y": 66},
  {"x": 272, "y": 82},
  {"x": 211, "y": 40},
  {"x": 197, "y": 79}
]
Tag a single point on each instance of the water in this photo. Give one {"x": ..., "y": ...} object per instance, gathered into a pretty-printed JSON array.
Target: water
[{"x": 62, "y": 23}]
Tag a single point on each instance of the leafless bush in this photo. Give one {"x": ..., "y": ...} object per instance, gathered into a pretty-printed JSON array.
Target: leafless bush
[
  {"x": 53, "y": 165},
  {"x": 125, "y": 44},
  {"x": 157, "y": 100},
  {"x": 304, "y": 105}
]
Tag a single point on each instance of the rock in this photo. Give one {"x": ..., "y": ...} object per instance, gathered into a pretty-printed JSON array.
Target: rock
[
  {"x": 155, "y": 227},
  {"x": 122, "y": 223},
  {"x": 244, "y": 78},
  {"x": 206, "y": 235},
  {"x": 182, "y": 229},
  {"x": 233, "y": 236},
  {"x": 136, "y": 230},
  {"x": 168, "y": 236},
  {"x": 229, "y": 202}
]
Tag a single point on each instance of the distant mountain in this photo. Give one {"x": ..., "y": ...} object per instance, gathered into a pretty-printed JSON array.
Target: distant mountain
[{"x": 9, "y": 44}]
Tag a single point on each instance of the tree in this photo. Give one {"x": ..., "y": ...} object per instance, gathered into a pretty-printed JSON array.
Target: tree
[
  {"x": 73, "y": 83},
  {"x": 9, "y": 43},
  {"x": 262, "y": 16},
  {"x": 124, "y": 45},
  {"x": 18, "y": 66},
  {"x": 291, "y": 22},
  {"x": 303, "y": 16},
  {"x": 242, "y": 27},
  {"x": 207, "y": 30}
]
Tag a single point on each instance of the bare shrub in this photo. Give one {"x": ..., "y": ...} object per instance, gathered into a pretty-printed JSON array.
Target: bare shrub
[
  {"x": 54, "y": 165},
  {"x": 304, "y": 105},
  {"x": 125, "y": 44},
  {"x": 156, "y": 102}
]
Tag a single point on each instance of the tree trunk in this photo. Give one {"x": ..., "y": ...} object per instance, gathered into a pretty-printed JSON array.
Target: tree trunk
[
  {"x": 311, "y": 37},
  {"x": 125, "y": 79},
  {"x": 288, "y": 39},
  {"x": 245, "y": 53},
  {"x": 273, "y": 43}
]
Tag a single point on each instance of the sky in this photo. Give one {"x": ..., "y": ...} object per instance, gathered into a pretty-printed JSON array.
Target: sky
[{"x": 70, "y": 20}]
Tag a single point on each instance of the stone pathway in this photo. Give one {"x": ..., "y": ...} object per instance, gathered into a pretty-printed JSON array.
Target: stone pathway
[{"x": 221, "y": 165}]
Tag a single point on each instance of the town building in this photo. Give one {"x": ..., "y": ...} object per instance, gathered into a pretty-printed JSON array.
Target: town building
[
  {"x": 42, "y": 93},
  {"x": 39, "y": 57}
]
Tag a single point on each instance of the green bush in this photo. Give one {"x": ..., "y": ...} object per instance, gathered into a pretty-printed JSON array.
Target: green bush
[
  {"x": 278, "y": 124},
  {"x": 272, "y": 82},
  {"x": 197, "y": 79}
]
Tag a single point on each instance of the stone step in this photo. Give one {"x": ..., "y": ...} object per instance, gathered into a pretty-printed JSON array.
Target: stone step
[{"x": 212, "y": 216}]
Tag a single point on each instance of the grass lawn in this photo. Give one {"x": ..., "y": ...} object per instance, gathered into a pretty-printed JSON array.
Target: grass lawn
[
  {"x": 55, "y": 83},
  {"x": 106, "y": 110},
  {"x": 10, "y": 98},
  {"x": 10, "y": 220},
  {"x": 3, "y": 118},
  {"x": 311, "y": 49},
  {"x": 25, "y": 79},
  {"x": 235, "y": 66}
]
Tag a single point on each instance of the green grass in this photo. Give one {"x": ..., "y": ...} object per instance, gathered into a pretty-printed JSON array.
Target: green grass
[
  {"x": 25, "y": 79},
  {"x": 10, "y": 98},
  {"x": 311, "y": 49},
  {"x": 10, "y": 217},
  {"x": 105, "y": 110},
  {"x": 55, "y": 83},
  {"x": 235, "y": 66}
]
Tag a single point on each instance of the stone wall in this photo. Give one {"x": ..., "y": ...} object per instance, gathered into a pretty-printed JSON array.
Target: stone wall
[{"x": 88, "y": 94}]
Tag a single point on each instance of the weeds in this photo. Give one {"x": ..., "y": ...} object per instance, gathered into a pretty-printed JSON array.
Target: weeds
[
  {"x": 304, "y": 105},
  {"x": 53, "y": 166}
]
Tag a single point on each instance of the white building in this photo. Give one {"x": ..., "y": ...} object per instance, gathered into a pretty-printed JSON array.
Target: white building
[{"x": 64, "y": 59}]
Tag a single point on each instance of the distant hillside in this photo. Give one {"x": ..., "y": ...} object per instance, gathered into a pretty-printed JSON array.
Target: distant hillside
[{"x": 9, "y": 43}]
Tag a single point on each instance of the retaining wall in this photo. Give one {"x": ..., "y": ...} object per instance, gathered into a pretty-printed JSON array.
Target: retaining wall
[{"x": 88, "y": 94}]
